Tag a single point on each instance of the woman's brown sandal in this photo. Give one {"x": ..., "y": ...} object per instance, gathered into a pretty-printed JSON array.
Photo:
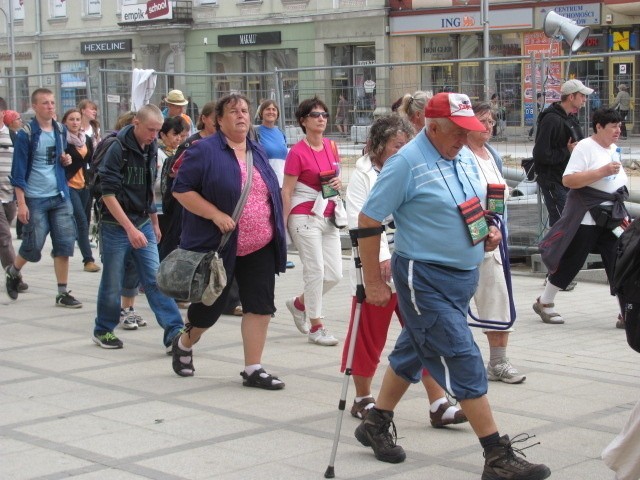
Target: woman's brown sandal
[{"x": 553, "y": 318}]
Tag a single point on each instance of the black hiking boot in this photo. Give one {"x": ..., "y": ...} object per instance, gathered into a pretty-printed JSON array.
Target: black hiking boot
[
  {"x": 500, "y": 462},
  {"x": 378, "y": 431}
]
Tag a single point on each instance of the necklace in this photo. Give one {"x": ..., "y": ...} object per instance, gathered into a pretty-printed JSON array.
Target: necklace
[
  {"x": 318, "y": 148},
  {"x": 237, "y": 146}
]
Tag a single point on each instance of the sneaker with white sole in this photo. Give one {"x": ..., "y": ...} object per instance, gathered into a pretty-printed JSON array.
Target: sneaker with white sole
[
  {"x": 107, "y": 340},
  {"x": 322, "y": 337},
  {"x": 504, "y": 372},
  {"x": 129, "y": 315},
  {"x": 299, "y": 316},
  {"x": 66, "y": 300},
  {"x": 128, "y": 320}
]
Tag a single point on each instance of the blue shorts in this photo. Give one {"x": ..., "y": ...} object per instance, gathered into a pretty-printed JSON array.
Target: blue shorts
[
  {"x": 434, "y": 302},
  {"x": 50, "y": 215}
]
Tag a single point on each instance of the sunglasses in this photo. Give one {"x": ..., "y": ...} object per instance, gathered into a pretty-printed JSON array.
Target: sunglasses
[{"x": 318, "y": 115}]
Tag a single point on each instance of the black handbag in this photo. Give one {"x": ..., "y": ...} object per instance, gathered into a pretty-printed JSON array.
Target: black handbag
[
  {"x": 199, "y": 277},
  {"x": 602, "y": 215}
]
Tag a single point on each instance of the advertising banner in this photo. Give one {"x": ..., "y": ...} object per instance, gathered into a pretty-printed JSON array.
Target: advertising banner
[{"x": 549, "y": 80}]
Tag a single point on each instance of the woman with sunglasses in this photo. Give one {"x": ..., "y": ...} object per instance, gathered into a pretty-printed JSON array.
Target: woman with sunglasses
[{"x": 310, "y": 197}]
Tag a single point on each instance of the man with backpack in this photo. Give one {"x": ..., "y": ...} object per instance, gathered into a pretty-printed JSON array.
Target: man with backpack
[
  {"x": 128, "y": 224},
  {"x": 558, "y": 133},
  {"x": 42, "y": 196}
]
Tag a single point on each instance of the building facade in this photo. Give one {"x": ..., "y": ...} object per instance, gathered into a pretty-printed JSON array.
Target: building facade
[{"x": 87, "y": 48}]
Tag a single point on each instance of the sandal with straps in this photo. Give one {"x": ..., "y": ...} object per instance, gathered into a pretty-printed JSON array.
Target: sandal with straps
[
  {"x": 256, "y": 380},
  {"x": 184, "y": 369},
  {"x": 553, "y": 318}
]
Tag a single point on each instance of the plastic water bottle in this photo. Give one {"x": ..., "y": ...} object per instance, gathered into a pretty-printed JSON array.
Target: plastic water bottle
[{"x": 615, "y": 157}]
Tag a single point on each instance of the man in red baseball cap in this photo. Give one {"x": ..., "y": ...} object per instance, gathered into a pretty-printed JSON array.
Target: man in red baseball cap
[{"x": 436, "y": 198}]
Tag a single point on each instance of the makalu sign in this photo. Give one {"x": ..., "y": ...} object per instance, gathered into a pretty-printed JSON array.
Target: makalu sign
[{"x": 146, "y": 12}]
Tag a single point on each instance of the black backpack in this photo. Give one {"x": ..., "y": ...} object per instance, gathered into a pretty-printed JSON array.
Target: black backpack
[
  {"x": 91, "y": 177},
  {"x": 626, "y": 266}
]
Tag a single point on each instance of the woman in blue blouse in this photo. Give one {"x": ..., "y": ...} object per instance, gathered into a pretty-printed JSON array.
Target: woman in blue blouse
[{"x": 273, "y": 141}]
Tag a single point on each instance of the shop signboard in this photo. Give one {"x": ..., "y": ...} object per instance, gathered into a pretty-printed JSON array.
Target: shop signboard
[{"x": 146, "y": 12}]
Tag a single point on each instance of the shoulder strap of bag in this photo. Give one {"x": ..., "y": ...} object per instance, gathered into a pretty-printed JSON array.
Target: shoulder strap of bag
[{"x": 242, "y": 201}]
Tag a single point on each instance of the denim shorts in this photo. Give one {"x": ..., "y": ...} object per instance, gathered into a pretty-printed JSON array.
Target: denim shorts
[
  {"x": 49, "y": 215},
  {"x": 434, "y": 301}
]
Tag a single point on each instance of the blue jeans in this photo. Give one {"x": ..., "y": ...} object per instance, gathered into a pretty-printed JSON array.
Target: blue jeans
[
  {"x": 79, "y": 201},
  {"x": 49, "y": 215},
  {"x": 115, "y": 250}
]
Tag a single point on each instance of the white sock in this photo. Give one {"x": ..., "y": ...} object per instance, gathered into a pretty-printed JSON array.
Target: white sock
[
  {"x": 359, "y": 399},
  {"x": 435, "y": 405},
  {"x": 549, "y": 296},
  {"x": 249, "y": 369},
  {"x": 184, "y": 359}
]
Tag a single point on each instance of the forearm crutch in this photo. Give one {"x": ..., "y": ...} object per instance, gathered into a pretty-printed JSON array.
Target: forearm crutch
[
  {"x": 506, "y": 270},
  {"x": 355, "y": 322}
]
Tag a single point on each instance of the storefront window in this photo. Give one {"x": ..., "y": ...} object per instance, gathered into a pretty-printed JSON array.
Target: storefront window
[
  {"x": 117, "y": 82},
  {"x": 356, "y": 82},
  {"x": 438, "y": 78},
  {"x": 73, "y": 83},
  {"x": 234, "y": 71}
]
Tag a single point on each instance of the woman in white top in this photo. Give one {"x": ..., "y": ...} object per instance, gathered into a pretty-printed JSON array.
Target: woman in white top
[
  {"x": 491, "y": 297},
  {"x": 597, "y": 182},
  {"x": 386, "y": 137}
]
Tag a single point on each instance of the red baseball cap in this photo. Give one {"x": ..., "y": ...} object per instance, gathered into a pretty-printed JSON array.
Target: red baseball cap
[{"x": 457, "y": 108}]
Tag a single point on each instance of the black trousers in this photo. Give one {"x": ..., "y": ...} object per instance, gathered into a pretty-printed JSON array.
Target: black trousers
[{"x": 588, "y": 239}]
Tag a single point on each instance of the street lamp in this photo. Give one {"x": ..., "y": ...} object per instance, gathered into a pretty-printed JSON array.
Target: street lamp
[{"x": 12, "y": 53}]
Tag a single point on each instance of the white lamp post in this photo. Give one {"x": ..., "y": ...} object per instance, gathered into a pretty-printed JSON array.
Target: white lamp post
[
  {"x": 12, "y": 53},
  {"x": 484, "y": 11}
]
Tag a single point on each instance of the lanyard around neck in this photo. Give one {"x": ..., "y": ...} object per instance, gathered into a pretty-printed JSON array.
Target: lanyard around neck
[{"x": 461, "y": 184}]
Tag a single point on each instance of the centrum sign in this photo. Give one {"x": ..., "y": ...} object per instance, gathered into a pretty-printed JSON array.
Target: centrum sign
[{"x": 145, "y": 12}]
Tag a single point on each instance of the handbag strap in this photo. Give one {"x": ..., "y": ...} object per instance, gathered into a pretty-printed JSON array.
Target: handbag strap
[{"x": 242, "y": 201}]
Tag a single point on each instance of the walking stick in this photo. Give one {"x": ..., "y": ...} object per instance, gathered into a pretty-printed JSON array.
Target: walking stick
[{"x": 353, "y": 234}]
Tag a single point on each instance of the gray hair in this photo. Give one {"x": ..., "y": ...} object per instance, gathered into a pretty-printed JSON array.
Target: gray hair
[{"x": 384, "y": 129}]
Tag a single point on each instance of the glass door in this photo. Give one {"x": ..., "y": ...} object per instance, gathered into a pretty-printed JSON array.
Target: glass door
[{"x": 621, "y": 73}]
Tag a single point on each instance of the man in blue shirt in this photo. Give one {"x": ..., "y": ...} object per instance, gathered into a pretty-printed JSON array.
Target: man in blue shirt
[
  {"x": 42, "y": 196},
  {"x": 435, "y": 197}
]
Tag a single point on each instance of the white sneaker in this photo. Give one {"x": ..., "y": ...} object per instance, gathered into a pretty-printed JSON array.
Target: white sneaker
[
  {"x": 128, "y": 320},
  {"x": 504, "y": 372},
  {"x": 137, "y": 317},
  {"x": 322, "y": 337},
  {"x": 299, "y": 317}
]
